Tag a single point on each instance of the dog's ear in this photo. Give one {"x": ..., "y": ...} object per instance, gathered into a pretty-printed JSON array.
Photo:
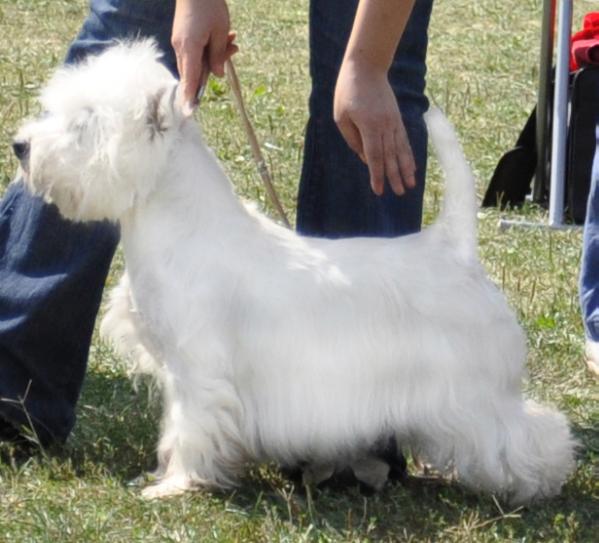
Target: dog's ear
[
  {"x": 156, "y": 113},
  {"x": 160, "y": 108}
]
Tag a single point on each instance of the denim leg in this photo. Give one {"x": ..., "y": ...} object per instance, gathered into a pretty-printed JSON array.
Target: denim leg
[
  {"x": 52, "y": 271},
  {"x": 589, "y": 273},
  {"x": 112, "y": 20},
  {"x": 51, "y": 278},
  {"x": 335, "y": 199}
]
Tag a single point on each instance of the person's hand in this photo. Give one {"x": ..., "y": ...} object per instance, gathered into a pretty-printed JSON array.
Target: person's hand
[
  {"x": 369, "y": 119},
  {"x": 202, "y": 42}
]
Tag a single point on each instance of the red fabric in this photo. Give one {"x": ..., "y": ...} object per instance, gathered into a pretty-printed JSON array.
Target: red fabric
[{"x": 585, "y": 43}]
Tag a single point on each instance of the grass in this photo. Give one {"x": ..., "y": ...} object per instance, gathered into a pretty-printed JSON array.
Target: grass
[{"x": 482, "y": 70}]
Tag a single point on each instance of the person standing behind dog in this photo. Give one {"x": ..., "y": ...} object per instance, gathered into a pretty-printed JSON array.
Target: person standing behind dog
[
  {"x": 589, "y": 271},
  {"x": 52, "y": 271}
]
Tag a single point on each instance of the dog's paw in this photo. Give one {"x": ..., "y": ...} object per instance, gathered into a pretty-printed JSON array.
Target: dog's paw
[{"x": 171, "y": 486}]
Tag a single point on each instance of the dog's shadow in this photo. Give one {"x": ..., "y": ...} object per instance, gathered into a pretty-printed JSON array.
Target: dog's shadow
[
  {"x": 117, "y": 432},
  {"x": 117, "y": 426}
]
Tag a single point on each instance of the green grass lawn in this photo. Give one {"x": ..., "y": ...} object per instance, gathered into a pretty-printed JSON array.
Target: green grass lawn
[{"x": 483, "y": 65}]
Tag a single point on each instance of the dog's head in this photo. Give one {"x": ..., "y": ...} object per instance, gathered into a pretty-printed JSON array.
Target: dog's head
[{"x": 104, "y": 139}]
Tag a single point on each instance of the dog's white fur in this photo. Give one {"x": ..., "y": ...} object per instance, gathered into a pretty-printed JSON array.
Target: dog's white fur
[{"x": 272, "y": 346}]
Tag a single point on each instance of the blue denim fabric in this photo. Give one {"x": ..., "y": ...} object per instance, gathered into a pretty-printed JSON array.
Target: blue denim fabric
[
  {"x": 52, "y": 271},
  {"x": 589, "y": 273},
  {"x": 335, "y": 199}
]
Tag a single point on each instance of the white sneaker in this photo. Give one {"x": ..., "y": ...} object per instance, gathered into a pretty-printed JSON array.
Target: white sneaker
[{"x": 592, "y": 355}]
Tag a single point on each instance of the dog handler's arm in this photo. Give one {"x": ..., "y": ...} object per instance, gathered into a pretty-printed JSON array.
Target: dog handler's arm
[
  {"x": 365, "y": 108},
  {"x": 201, "y": 40}
]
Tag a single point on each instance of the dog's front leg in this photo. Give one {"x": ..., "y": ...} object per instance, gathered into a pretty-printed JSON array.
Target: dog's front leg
[{"x": 200, "y": 443}]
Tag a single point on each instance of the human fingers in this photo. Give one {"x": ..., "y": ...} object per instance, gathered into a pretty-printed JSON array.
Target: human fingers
[
  {"x": 193, "y": 70},
  {"x": 232, "y": 47},
  {"x": 351, "y": 135},
  {"x": 405, "y": 157},
  {"x": 375, "y": 158},
  {"x": 392, "y": 172},
  {"x": 217, "y": 52}
]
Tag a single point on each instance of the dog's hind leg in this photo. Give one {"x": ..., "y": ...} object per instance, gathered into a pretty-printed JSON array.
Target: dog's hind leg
[
  {"x": 516, "y": 449},
  {"x": 538, "y": 451}
]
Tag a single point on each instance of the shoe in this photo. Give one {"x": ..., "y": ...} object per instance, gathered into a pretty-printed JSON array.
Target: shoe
[{"x": 592, "y": 356}]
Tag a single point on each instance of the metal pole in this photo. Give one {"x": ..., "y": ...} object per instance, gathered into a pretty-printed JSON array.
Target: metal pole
[
  {"x": 560, "y": 116},
  {"x": 544, "y": 100},
  {"x": 557, "y": 160}
]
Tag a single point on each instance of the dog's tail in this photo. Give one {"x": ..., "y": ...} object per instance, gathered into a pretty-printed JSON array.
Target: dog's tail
[{"x": 457, "y": 221}]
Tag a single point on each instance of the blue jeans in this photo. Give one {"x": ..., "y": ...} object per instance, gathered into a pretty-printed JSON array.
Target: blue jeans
[
  {"x": 335, "y": 199},
  {"x": 589, "y": 273},
  {"x": 52, "y": 272}
]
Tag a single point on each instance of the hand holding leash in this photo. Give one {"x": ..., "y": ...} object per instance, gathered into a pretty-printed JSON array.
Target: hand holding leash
[{"x": 202, "y": 42}]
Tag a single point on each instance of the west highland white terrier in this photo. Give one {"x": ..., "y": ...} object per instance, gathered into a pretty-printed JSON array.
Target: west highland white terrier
[{"x": 272, "y": 346}]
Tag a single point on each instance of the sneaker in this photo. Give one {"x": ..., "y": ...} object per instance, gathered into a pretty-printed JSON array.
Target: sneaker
[{"x": 592, "y": 356}]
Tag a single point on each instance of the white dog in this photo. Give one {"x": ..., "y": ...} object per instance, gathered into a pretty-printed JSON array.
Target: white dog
[{"x": 272, "y": 346}]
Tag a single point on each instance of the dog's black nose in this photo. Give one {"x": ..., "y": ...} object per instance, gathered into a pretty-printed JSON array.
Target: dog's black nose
[{"x": 21, "y": 149}]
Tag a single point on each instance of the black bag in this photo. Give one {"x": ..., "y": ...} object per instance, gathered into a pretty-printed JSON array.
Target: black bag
[{"x": 511, "y": 181}]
